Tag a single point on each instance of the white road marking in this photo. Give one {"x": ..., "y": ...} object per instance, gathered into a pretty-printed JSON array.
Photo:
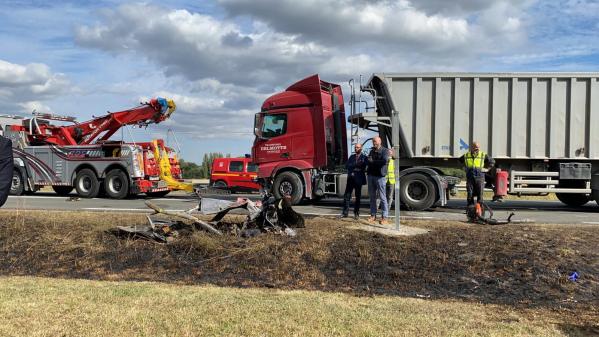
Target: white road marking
[
  {"x": 591, "y": 222},
  {"x": 44, "y": 197},
  {"x": 126, "y": 209}
]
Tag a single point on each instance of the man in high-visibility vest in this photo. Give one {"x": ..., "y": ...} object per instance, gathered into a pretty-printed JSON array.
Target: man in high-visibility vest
[
  {"x": 390, "y": 177},
  {"x": 474, "y": 162}
]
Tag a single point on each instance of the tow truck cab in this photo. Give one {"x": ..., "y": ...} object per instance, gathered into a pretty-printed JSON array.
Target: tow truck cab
[{"x": 301, "y": 139}]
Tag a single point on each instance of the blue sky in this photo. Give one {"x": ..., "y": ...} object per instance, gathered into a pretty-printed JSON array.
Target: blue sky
[{"x": 219, "y": 59}]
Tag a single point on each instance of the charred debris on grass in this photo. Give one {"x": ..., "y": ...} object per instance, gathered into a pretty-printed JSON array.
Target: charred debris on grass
[{"x": 270, "y": 215}]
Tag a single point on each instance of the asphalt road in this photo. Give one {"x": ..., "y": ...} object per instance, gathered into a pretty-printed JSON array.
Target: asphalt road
[{"x": 536, "y": 211}]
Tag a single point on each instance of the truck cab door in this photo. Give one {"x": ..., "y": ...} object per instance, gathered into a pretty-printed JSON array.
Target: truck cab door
[{"x": 273, "y": 142}]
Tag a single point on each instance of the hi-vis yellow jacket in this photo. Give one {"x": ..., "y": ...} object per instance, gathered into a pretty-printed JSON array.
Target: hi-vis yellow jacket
[{"x": 391, "y": 171}]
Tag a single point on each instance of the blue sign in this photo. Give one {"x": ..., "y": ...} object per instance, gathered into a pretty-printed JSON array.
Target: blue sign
[
  {"x": 573, "y": 276},
  {"x": 463, "y": 145}
]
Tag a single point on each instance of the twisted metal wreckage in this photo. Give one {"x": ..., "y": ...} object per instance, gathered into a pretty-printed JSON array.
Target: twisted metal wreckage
[{"x": 267, "y": 215}]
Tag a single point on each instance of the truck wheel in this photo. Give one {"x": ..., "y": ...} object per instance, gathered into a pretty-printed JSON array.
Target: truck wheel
[
  {"x": 62, "y": 190},
  {"x": 288, "y": 183},
  {"x": 116, "y": 184},
  {"x": 221, "y": 184},
  {"x": 417, "y": 192},
  {"x": 572, "y": 199},
  {"x": 157, "y": 194},
  {"x": 87, "y": 184},
  {"x": 17, "y": 187}
]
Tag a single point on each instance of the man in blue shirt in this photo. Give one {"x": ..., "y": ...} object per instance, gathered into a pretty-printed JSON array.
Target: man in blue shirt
[
  {"x": 378, "y": 159},
  {"x": 356, "y": 178}
]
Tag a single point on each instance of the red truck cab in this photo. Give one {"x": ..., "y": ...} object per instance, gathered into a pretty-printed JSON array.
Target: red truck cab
[
  {"x": 235, "y": 174},
  {"x": 300, "y": 136}
]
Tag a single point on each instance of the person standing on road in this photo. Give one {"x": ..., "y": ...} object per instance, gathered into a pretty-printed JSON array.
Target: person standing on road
[
  {"x": 356, "y": 178},
  {"x": 474, "y": 162},
  {"x": 378, "y": 159},
  {"x": 6, "y": 168},
  {"x": 390, "y": 188}
]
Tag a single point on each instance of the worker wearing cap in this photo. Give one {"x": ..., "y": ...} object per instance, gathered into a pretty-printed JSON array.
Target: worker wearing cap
[
  {"x": 6, "y": 168},
  {"x": 475, "y": 161}
]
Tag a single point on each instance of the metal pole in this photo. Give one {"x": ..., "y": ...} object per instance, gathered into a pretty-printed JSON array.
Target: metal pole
[{"x": 395, "y": 138}]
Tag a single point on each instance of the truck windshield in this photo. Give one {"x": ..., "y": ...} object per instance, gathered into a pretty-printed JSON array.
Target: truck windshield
[{"x": 273, "y": 125}]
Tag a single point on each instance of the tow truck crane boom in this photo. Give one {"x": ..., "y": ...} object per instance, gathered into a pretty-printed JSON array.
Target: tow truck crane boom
[{"x": 99, "y": 129}]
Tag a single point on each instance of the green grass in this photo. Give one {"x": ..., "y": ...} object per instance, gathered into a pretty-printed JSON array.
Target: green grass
[{"x": 32, "y": 306}]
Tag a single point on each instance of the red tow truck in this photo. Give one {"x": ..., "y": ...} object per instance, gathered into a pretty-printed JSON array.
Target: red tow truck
[{"x": 80, "y": 156}]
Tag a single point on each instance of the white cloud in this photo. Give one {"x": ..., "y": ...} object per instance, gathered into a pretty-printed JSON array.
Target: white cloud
[
  {"x": 431, "y": 26},
  {"x": 210, "y": 109},
  {"x": 199, "y": 46},
  {"x": 24, "y": 87}
]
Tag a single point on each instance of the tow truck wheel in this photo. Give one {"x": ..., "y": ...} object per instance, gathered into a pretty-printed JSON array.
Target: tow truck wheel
[
  {"x": 87, "y": 184},
  {"x": 17, "y": 186},
  {"x": 288, "y": 183},
  {"x": 116, "y": 184},
  {"x": 417, "y": 192},
  {"x": 62, "y": 190}
]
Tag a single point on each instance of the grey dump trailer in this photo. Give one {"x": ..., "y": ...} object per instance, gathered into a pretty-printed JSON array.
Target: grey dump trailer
[{"x": 542, "y": 128}]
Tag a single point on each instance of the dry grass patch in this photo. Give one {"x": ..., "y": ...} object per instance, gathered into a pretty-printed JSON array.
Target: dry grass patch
[
  {"x": 523, "y": 266},
  {"x": 51, "y": 307}
]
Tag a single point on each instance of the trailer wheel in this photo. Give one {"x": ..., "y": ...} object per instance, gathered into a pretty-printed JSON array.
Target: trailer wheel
[
  {"x": 87, "y": 184},
  {"x": 288, "y": 184},
  {"x": 17, "y": 186},
  {"x": 417, "y": 192},
  {"x": 572, "y": 199},
  {"x": 62, "y": 190},
  {"x": 157, "y": 194},
  {"x": 116, "y": 184}
]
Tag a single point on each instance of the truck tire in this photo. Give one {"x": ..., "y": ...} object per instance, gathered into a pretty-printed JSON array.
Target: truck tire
[
  {"x": 116, "y": 184},
  {"x": 87, "y": 184},
  {"x": 62, "y": 190},
  {"x": 157, "y": 194},
  {"x": 17, "y": 187},
  {"x": 288, "y": 183},
  {"x": 572, "y": 199},
  {"x": 417, "y": 192},
  {"x": 221, "y": 184}
]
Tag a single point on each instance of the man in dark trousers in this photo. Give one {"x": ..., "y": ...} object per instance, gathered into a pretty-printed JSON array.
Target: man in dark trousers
[
  {"x": 356, "y": 178},
  {"x": 474, "y": 162},
  {"x": 6, "y": 168},
  {"x": 378, "y": 158}
]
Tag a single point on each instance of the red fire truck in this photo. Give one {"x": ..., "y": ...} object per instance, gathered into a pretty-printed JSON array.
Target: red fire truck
[{"x": 235, "y": 174}]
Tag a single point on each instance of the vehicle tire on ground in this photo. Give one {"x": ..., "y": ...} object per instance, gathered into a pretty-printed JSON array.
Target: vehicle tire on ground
[
  {"x": 572, "y": 199},
  {"x": 17, "y": 187},
  {"x": 220, "y": 184},
  {"x": 159, "y": 194},
  {"x": 288, "y": 183},
  {"x": 116, "y": 184},
  {"x": 417, "y": 192},
  {"x": 62, "y": 190},
  {"x": 87, "y": 184}
]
